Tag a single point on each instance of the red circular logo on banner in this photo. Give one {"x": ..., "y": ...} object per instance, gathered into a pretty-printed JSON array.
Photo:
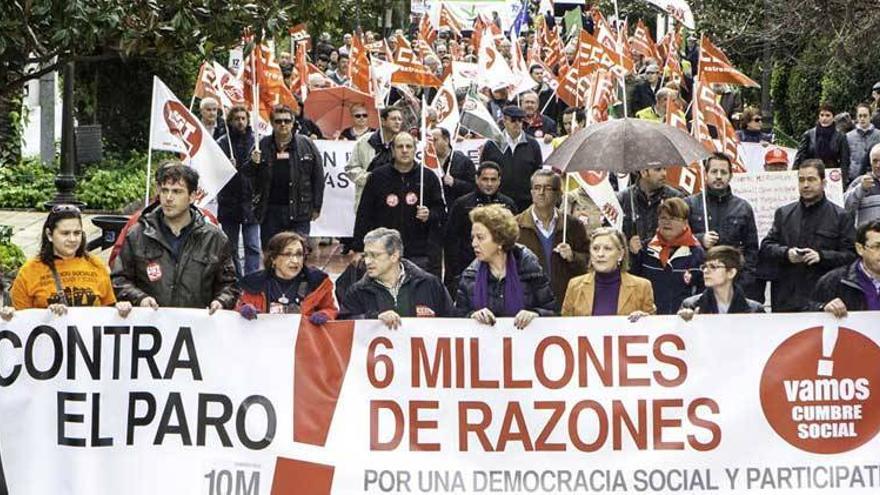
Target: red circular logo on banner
[
  {"x": 181, "y": 123},
  {"x": 820, "y": 390},
  {"x": 392, "y": 200},
  {"x": 594, "y": 177}
]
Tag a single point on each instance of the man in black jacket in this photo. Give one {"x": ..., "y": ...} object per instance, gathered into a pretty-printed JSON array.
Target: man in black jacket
[
  {"x": 809, "y": 238},
  {"x": 458, "y": 169},
  {"x": 519, "y": 156},
  {"x": 290, "y": 181},
  {"x": 458, "y": 252},
  {"x": 640, "y": 202},
  {"x": 393, "y": 287},
  {"x": 394, "y": 197},
  {"x": 855, "y": 287},
  {"x": 235, "y": 202},
  {"x": 173, "y": 256},
  {"x": 731, "y": 220}
]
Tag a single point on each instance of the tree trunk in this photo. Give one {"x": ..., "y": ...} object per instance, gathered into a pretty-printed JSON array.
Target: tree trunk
[{"x": 11, "y": 124}]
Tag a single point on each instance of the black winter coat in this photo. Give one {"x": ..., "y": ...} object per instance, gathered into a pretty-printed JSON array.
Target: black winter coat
[
  {"x": 839, "y": 148},
  {"x": 517, "y": 167},
  {"x": 709, "y": 306},
  {"x": 842, "y": 282},
  {"x": 366, "y": 299},
  {"x": 457, "y": 251},
  {"x": 390, "y": 199},
  {"x": 646, "y": 210},
  {"x": 146, "y": 267},
  {"x": 822, "y": 226},
  {"x": 734, "y": 220},
  {"x": 679, "y": 279},
  {"x": 235, "y": 202},
  {"x": 538, "y": 295},
  {"x": 306, "y": 178},
  {"x": 463, "y": 173}
]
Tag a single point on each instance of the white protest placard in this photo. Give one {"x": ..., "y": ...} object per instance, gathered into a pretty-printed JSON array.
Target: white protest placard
[
  {"x": 338, "y": 212},
  {"x": 767, "y": 191},
  {"x": 752, "y": 155}
]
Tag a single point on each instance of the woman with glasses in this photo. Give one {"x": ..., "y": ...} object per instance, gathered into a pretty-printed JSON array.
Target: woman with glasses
[
  {"x": 607, "y": 289},
  {"x": 722, "y": 295},
  {"x": 63, "y": 274},
  {"x": 287, "y": 285},
  {"x": 359, "y": 125},
  {"x": 752, "y": 127},
  {"x": 505, "y": 279},
  {"x": 672, "y": 259}
]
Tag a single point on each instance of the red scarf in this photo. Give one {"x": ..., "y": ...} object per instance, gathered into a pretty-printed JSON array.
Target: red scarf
[{"x": 667, "y": 247}]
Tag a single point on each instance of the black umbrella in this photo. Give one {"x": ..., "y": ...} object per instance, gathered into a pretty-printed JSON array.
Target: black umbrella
[{"x": 626, "y": 145}]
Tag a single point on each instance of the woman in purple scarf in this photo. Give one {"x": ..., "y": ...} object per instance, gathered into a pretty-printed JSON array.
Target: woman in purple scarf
[{"x": 505, "y": 279}]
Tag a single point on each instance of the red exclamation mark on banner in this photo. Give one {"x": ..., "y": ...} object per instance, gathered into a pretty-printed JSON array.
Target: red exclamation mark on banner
[{"x": 322, "y": 354}]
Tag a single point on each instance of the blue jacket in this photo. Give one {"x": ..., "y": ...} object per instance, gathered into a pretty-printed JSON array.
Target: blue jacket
[{"x": 679, "y": 279}]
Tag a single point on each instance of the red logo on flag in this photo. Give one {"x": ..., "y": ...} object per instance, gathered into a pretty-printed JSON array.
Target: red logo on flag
[{"x": 182, "y": 124}]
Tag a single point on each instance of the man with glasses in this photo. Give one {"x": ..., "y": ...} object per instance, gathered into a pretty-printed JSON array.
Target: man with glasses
[
  {"x": 518, "y": 155},
  {"x": 863, "y": 196},
  {"x": 855, "y": 287},
  {"x": 290, "y": 182},
  {"x": 731, "y": 219},
  {"x": 541, "y": 230},
  {"x": 722, "y": 296},
  {"x": 808, "y": 239},
  {"x": 393, "y": 287},
  {"x": 861, "y": 139}
]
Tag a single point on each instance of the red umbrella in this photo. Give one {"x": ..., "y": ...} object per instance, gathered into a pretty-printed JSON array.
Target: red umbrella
[{"x": 329, "y": 108}]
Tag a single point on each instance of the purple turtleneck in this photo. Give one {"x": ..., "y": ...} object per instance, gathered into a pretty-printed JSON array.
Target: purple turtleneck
[{"x": 607, "y": 293}]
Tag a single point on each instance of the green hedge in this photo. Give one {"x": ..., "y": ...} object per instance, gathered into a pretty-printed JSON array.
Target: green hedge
[{"x": 108, "y": 185}]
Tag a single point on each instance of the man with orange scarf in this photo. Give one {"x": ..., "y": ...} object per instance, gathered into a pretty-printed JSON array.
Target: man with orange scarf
[{"x": 671, "y": 261}]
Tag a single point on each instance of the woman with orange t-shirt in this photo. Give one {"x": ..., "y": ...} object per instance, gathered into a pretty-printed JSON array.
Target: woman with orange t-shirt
[{"x": 63, "y": 274}]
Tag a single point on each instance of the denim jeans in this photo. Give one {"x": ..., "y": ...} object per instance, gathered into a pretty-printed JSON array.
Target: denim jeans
[{"x": 251, "y": 235}]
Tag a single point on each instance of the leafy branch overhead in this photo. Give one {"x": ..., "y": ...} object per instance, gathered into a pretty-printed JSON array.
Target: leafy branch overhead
[{"x": 49, "y": 33}]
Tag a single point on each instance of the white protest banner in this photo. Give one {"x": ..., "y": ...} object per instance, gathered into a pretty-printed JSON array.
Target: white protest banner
[
  {"x": 731, "y": 404},
  {"x": 338, "y": 213},
  {"x": 752, "y": 155},
  {"x": 767, "y": 191}
]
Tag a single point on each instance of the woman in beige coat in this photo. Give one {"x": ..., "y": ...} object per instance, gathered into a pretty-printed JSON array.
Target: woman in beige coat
[{"x": 607, "y": 289}]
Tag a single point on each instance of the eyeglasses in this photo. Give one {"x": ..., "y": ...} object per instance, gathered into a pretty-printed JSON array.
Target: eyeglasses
[
  {"x": 360, "y": 115},
  {"x": 283, "y": 121},
  {"x": 66, "y": 209},
  {"x": 873, "y": 247},
  {"x": 707, "y": 267}
]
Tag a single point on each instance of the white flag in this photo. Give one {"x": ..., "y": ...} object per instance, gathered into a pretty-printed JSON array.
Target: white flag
[
  {"x": 522, "y": 80},
  {"x": 175, "y": 129},
  {"x": 446, "y": 105},
  {"x": 229, "y": 88},
  {"x": 381, "y": 72},
  {"x": 494, "y": 71},
  {"x": 464, "y": 74},
  {"x": 598, "y": 188}
]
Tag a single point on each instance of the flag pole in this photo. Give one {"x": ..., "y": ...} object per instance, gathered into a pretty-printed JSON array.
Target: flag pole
[
  {"x": 705, "y": 203},
  {"x": 565, "y": 209},
  {"x": 150, "y": 146},
  {"x": 619, "y": 46},
  {"x": 228, "y": 137},
  {"x": 424, "y": 133}
]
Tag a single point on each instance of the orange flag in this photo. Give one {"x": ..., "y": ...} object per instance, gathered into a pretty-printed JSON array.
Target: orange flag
[
  {"x": 707, "y": 112},
  {"x": 410, "y": 70},
  {"x": 448, "y": 20},
  {"x": 599, "y": 96},
  {"x": 206, "y": 83},
  {"x": 426, "y": 30},
  {"x": 272, "y": 90},
  {"x": 715, "y": 67},
  {"x": 643, "y": 44},
  {"x": 359, "y": 66},
  {"x": 688, "y": 178},
  {"x": 598, "y": 53}
]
